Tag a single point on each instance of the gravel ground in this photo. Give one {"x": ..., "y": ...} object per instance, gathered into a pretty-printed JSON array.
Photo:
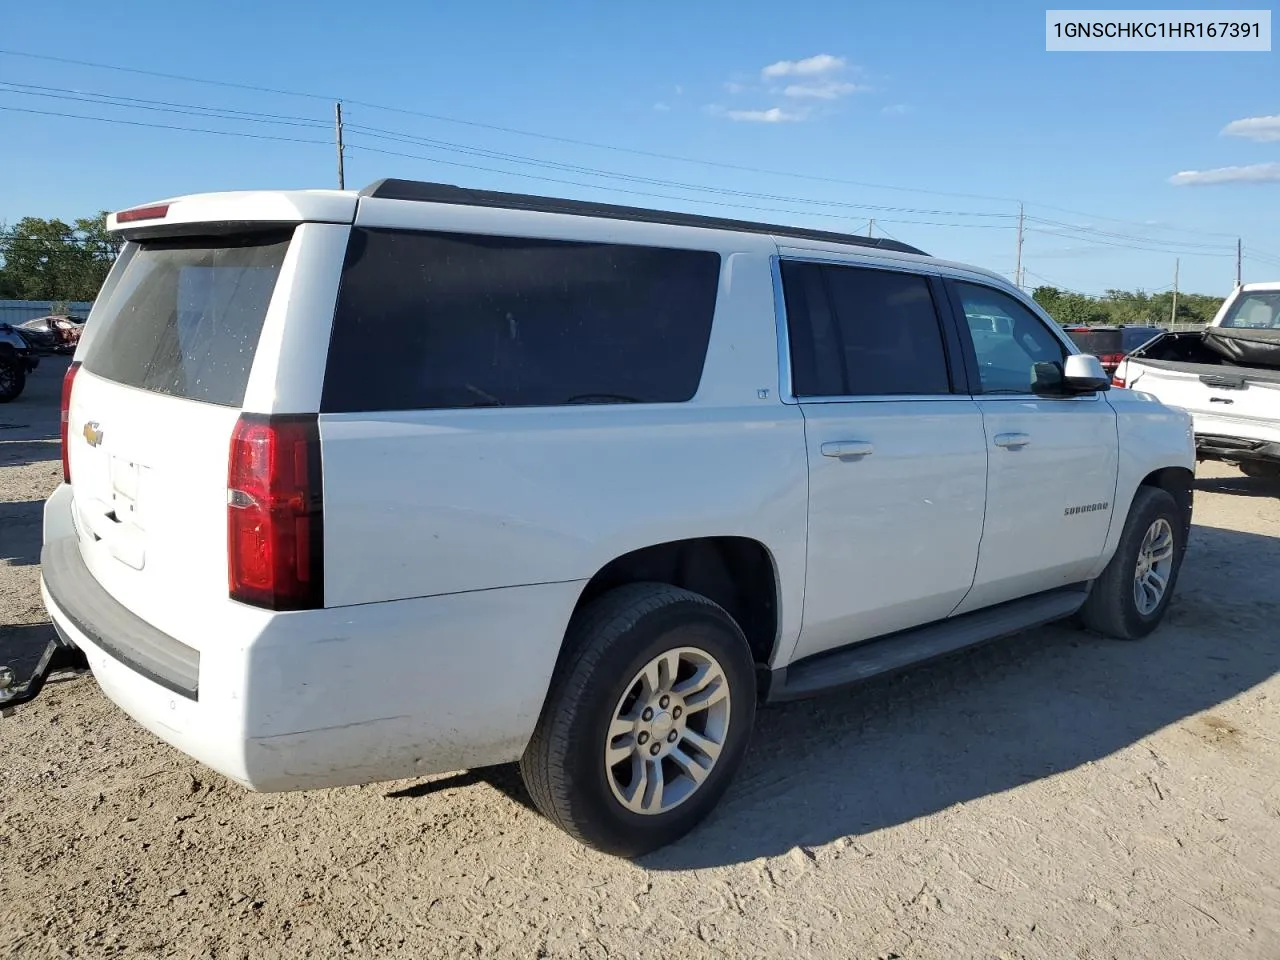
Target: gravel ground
[{"x": 1053, "y": 796}]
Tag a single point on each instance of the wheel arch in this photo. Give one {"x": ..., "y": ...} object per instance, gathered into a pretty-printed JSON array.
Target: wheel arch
[
  {"x": 1179, "y": 483},
  {"x": 739, "y": 574}
]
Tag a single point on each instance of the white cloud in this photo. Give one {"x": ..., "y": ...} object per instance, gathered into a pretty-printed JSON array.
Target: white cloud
[
  {"x": 808, "y": 67},
  {"x": 772, "y": 115},
  {"x": 823, "y": 90},
  {"x": 1254, "y": 173},
  {"x": 1261, "y": 129},
  {"x": 732, "y": 86},
  {"x": 662, "y": 107},
  {"x": 896, "y": 110}
]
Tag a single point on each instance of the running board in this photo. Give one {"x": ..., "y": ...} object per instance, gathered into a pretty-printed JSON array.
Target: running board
[{"x": 860, "y": 661}]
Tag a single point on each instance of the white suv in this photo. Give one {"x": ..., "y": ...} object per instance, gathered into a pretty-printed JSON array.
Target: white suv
[{"x": 377, "y": 485}]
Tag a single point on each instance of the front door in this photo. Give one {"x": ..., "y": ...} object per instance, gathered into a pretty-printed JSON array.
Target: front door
[{"x": 1052, "y": 462}]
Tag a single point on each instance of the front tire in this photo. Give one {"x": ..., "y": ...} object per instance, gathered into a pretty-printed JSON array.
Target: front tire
[
  {"x": 647, "y": 719},
  {"x": 13, "y": 378},
  {"x": 1130, "y": 598}
]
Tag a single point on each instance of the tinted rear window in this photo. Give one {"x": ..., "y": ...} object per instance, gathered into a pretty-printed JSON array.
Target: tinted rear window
[
  {"x": 440, "y": 321},
  {"x": 1097, "y": 342},
  {"x": 185, "y": 317}
]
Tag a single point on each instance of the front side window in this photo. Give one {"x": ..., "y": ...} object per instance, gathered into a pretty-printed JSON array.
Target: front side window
[
  {"x": 436, "y": 321},
  {"x": 862, "y": 332},
  {"x": 1008, "y": 351}
]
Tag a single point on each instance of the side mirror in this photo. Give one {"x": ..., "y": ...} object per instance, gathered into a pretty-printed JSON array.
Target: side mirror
[{"x": 1083, "y": 373}]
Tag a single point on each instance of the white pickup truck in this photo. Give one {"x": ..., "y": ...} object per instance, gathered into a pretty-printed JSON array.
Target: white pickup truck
[{"x": 1227, "y": 377}]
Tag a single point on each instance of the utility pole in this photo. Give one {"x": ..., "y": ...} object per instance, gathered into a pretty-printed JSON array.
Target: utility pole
[
  {"x": 1017, "y": 270},
  {"x": 1173, "y": 314},
  {"x": 1239, "y": 251},
  {"x": 337, "y": 129},
  {"x": 871, "y": 226}
]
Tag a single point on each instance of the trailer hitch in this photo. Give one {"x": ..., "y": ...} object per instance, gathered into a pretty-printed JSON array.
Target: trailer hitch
[{"x": 17, "y": 688}]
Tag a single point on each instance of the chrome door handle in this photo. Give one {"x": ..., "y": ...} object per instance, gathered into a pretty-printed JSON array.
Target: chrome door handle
[
  {"x": 847, "y": 449},
  {"x": 1012, "y": 441}
]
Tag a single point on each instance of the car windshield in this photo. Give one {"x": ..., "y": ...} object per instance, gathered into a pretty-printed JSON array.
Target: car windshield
[{"x": 1255, "y": 311}]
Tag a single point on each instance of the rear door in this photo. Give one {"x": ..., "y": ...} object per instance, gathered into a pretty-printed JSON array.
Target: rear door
[
  {"x": 897, "y": 456},
  {"x": 163, "y": 377}
]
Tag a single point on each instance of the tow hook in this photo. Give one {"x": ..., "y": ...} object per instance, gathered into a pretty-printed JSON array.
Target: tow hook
[{"x": 17, "y": 689}]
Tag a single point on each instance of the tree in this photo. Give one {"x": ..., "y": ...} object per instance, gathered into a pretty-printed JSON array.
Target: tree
[
  {"x": 53, "y": 260},
  {"x": 1118, "y": 307}
]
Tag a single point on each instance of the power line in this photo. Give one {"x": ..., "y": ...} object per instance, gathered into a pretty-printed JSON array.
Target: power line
[
  {"x": 166, "y": 76},
  {"x": 389, "y": 135},
  {"x": 163, "y": 126},
  {"x": 1128, "y": 246},
  {"x": 595, "y": 186},
  {"x": 1149, "y": 294},
  {"x": 503, "y": 129},
  {"x": 396, "y": 136},
  {"x": 1132, "y": 223},
  {"x": 35, "y": 89},
  {"x": 454, "y": 163},
  {"x": 1152, "y": 244},
  {"x": 1093, "y": 231}
]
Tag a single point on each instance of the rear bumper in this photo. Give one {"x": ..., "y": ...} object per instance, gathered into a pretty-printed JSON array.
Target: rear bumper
[
  {"x": 1235, "y": 449},
  {"x": 321, "y": 698}
]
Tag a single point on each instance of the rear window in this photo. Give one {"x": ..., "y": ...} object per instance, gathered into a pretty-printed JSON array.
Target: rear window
[
  {"x": 1140, "y": 336},
  {"x": 185, "y": 316},
  {"x": 1255, "y": 311},
  {"x": 1097, "y": 342},
  {"x": 444, "y": 321}
]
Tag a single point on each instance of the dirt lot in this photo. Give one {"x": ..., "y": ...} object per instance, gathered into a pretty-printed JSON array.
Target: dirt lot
[{"x": 1055, "y": 796}]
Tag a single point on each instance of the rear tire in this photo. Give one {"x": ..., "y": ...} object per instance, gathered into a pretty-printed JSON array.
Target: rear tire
[
  {"x": 660, "y": 681},
  {"x": 1127, "y": 602},
  {"x": 13, "y": 378},
  {"x": 1260, "y": 469}
]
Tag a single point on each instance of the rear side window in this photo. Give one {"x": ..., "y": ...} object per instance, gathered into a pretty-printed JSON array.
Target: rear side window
[
  {"x": 862, "y": 332},
  {"x": 185, "y": 316},
  {"x": 443, "y": 321}
]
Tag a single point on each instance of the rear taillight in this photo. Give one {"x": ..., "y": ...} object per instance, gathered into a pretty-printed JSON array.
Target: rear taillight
[
  {"x": 1118, "y": 378},
  {"x": 68, "y": 380},
  {"x": 275, "y": 511}
]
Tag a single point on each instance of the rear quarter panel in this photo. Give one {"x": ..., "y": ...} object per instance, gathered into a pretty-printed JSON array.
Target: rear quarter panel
[{"x": 423, "y": 503}]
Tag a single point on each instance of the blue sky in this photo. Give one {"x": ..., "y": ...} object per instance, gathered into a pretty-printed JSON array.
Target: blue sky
[{"x": 816, "y": 113}]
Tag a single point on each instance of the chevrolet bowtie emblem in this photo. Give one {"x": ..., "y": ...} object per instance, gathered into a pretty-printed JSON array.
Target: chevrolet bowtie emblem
[{"x": 92, "y": 433}]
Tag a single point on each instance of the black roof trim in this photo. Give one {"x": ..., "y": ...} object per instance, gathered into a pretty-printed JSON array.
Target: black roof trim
[{"x": 426, "y": 192}]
